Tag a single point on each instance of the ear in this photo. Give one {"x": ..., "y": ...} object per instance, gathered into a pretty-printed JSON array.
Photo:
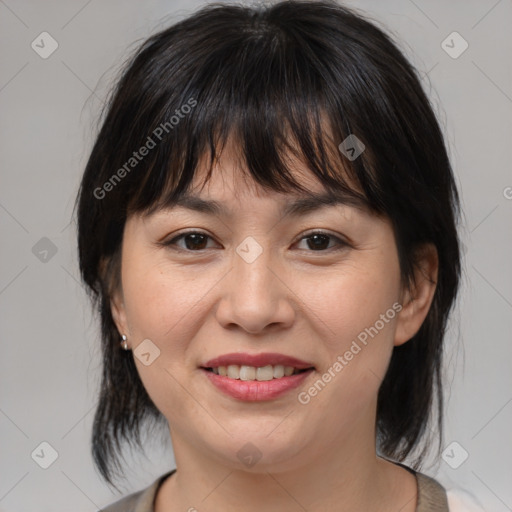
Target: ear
[
  {"x": 118, "y": 310},
  {"x": 416, "y": 301}
]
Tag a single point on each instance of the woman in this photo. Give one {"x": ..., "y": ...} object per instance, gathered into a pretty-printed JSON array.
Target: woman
[{"x": 268, "y": 227}]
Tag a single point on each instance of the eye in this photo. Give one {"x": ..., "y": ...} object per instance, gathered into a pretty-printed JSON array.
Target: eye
[
  {"x": 195, "y": 241},
  {"x": 319, "y": 241}
]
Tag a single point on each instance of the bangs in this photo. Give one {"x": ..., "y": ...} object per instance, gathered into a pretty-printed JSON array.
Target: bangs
[{"x": 264, "y": 91}]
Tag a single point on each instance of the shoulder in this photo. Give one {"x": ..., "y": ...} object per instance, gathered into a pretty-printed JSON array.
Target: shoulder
[
  {"x": 126, "y": 504},
  {"x": 460, "y": 500},
  {"x": 140, "y": 501},
  {"x": 433, "y": 496}
]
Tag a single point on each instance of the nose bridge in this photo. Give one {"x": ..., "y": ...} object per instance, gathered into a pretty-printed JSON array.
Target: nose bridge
[
  {"x": 255, "y": 296},
  {"x": 252, "y": 264},
  {"x": 253, "y": 271}
]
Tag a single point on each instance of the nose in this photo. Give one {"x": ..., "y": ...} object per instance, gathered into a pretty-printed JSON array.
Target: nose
[{"x": 255, "y": 295}]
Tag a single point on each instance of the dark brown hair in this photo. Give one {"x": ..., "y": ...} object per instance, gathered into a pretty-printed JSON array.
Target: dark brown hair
[{"x": 268, "y": 75}]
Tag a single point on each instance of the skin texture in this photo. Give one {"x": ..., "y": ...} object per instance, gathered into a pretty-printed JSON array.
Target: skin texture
[{"x": 293, "y": 299}]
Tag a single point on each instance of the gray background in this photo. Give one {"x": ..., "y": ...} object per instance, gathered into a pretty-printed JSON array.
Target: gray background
[{"x": 50, "y": 354}]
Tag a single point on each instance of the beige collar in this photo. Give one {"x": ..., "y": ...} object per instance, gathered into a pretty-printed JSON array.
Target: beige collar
[{"x": 431, "y": 495}]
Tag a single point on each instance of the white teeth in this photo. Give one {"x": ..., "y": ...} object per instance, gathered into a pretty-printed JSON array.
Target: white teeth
[
  {"x": 265, "y": 373},
  {"x": 262, "y": 373},
  {"x": 233, "y": 371},
  {"x": 247, "y": 373},
  {"x": 278, "y": 371},
  {"x": 288, "y": 370}
]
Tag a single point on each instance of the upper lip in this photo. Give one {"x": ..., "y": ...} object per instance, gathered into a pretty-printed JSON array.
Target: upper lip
[{"x": 256, "y": 360}]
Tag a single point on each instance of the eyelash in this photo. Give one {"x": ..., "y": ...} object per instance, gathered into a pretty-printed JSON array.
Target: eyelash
[{"x": 172, "y": 243}]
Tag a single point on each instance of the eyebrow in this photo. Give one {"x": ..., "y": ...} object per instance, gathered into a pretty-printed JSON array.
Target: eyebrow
[{"x": 300, "y": 206}]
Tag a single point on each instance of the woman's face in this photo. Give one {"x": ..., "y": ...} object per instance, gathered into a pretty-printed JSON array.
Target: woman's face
[{"x": 257, "y": 284}]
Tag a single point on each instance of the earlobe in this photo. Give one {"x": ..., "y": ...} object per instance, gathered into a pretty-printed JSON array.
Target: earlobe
[{"x": 418, "y": 298}]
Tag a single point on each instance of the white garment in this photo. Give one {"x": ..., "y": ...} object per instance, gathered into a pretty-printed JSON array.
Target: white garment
[{"x": 461, "y": 501}]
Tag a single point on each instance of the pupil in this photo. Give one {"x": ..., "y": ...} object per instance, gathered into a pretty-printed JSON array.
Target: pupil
[
  {"x": 195, "y": 238},
  {"x": 319, "y": 238}
]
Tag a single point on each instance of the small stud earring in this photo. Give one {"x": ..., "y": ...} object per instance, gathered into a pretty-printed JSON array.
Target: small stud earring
[{"x": 124, "y": 343}]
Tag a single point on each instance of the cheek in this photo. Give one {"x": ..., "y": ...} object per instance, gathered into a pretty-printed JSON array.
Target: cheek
[
  {"x": 160, "y": 302},
  {"x": 159, "y": 306},
  {"x": 349, "y": 301},
  {"x": 357, "y": 347},
  {"x": 356, "y": 313},
  {"x": 167, "y": 306}
]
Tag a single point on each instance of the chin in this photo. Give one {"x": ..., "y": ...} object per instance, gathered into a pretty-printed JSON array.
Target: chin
[{"x": 256, "y": 451}]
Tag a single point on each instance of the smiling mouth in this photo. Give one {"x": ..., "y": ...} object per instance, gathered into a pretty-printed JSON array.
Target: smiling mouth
[{"x": 252, "y": 373}]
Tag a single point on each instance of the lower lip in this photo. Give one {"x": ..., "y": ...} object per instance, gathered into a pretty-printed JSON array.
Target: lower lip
[{"x": 255, "y": 390}]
